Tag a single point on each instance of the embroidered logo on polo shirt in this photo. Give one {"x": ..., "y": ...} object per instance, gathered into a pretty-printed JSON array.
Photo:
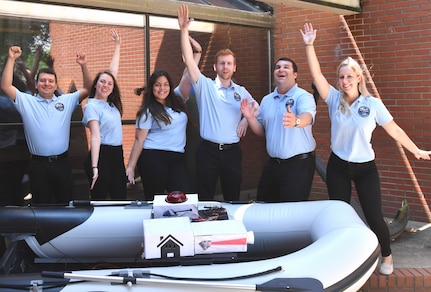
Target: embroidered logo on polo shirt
[
  {"x": 236, "y": 96},
  {"x": 290, "y": 102},
  {"x": 364, "y": 111},
  {"x": 59, "y": 106}
]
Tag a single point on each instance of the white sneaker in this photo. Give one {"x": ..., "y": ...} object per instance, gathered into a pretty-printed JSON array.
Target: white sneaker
[{"x": 386, "y": 268}]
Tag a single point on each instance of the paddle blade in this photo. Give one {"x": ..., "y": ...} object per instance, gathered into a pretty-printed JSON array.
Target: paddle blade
[{"x": 291, "y": 285}]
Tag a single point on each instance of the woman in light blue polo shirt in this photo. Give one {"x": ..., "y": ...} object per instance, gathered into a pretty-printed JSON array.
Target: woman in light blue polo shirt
[
  {"x": 102, "y": 115},
  {"x": 158, "y": 151},
  {"x": 105, "y": 162},
  {"x": 354, "y": 114}
]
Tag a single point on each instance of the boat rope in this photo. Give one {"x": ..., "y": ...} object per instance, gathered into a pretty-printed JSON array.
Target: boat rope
[{"x": 143, "y": 274}]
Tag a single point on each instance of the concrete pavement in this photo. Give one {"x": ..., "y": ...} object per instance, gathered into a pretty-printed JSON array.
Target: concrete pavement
[{"x": 412, "y": 249}]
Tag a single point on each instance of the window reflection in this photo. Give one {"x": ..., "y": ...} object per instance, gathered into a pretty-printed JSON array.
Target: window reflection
[
  {"x": 55, "y": 42},
  {"x": 30, "y": 35}
]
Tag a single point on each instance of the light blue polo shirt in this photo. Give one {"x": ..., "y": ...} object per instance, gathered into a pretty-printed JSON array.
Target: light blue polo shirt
[
  {"x": 351, "y": 134},
  {"x": 283, "y": 142},
  {"x": 219, "y": 109},
  {"x": 171, "y": 137},
  {"x": 46, "y": 122},
  {"x": 109, "y": 118}
]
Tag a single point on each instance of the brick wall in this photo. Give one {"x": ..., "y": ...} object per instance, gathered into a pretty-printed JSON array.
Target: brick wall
[{"x": 394, "y": 39}]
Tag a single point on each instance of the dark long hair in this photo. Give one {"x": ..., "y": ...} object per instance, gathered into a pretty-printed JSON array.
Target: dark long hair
[
  {"x": 115, "y": 97},
  {"x": 157, "y": 110}
]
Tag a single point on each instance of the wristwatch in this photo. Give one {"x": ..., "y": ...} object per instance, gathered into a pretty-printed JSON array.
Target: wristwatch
[{"x": 297, "y": 122}]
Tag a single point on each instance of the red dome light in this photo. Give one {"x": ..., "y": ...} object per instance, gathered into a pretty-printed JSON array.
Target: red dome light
[{"x": 176, "y": 197}]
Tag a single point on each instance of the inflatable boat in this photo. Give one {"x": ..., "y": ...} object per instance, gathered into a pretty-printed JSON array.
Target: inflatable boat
[{"x": 304, "y": 246}]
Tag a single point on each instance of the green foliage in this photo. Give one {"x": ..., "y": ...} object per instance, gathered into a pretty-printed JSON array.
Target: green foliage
[{"x": 26, "y": 33}]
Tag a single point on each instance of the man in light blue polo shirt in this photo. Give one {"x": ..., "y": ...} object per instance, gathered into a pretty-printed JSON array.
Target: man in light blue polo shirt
[
  {"x": 46, "y": 118},
  {"x": 285, "y": 118},
  {"x": 218, "y": 154}
]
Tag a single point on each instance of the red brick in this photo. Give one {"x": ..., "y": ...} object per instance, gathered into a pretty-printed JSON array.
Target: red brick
[
  {"x": 400, "y": 278},
  {"x": 409, "y": 277},
  {"x": 391, "y": 281},
  {"x": 374, "y": 280},
  {"x": 427, "y": 277},
  {"x": 383, "y": 281}
]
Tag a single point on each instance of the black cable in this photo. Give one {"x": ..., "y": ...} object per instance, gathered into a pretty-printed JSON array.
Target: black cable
[{"x": 277, "y": 269}]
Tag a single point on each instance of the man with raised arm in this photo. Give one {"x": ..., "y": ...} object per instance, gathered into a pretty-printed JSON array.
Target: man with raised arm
[
  {"x": 219, "y": 154},
  {"x": 46, "y": 118}
]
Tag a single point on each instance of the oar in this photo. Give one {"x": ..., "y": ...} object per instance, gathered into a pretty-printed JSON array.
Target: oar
[
  {"x": 144, "y": 203},
  {"x": 109, "y": 203},
  {"x": 121, "y": 203},
  {"x": 277, "y": 284},
  {"x": 124, "y": 203}
]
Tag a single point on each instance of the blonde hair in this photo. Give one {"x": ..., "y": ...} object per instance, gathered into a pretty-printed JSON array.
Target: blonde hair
[{"x": 362, "y": 86}]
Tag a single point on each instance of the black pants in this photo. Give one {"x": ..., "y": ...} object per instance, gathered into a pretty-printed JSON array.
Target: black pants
[
  {"x": 339, "y": 175},
  {"x": 112, "y": 179},
  {"x": 162, "y": 171},
  {"x": 287, "y": 180},
  {"x": 51, "y": 182},
  {"x": 212, "y": 164},
  {"x": 11, "y": 185}
]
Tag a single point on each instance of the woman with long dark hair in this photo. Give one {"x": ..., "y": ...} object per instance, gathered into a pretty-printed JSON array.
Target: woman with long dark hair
[{"x": 158, "y": 151}]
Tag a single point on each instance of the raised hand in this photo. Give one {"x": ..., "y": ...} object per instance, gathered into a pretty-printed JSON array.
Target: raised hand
[
  {"x": 81, "y": 59},
  {"x": 14, "y": 52},
  {"x": 308, "y": 34},
  {"x": 183, "y": 17},
  {"x": 247, "y": 108},
  {"x": 50, "y": 61},
  {"x": 38, "y": 52},
  {"x": 115, "y": 37}
]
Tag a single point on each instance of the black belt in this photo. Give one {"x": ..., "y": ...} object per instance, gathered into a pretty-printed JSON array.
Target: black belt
[
  {"x": 296, "y": 157},
  {"x": 220, "y": 146},
  {"x": 51, "y": 158}
]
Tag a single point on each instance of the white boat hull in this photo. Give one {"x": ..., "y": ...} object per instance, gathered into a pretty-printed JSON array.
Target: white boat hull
[{"x": 323, "y": 240}]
